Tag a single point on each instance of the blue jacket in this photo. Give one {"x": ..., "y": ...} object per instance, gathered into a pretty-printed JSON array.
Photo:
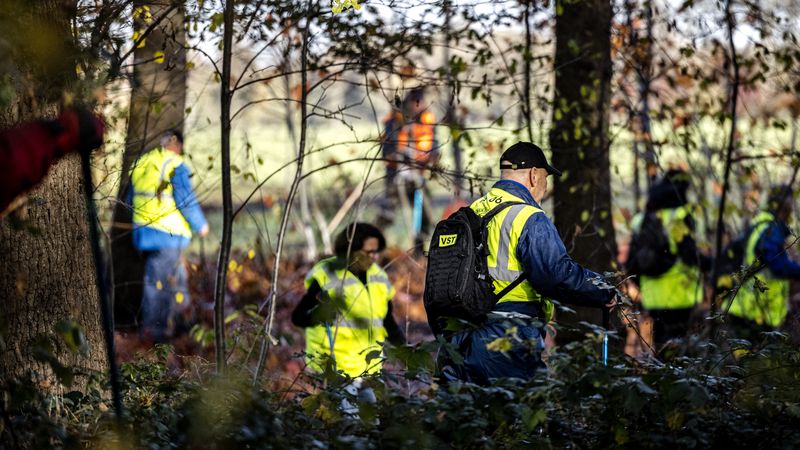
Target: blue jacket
[
  {"x": 770, "y": 248},
  {"x": 553, "y": 274},
  {"x": 150, "y": 239},
  {"x": 551, "y": 271}
]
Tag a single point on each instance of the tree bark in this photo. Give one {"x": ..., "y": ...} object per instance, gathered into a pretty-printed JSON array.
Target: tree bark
[
  {"x": 46, "y": 271},
  {"x": 158, "y": 101},
  {"x": 226, "y": 96},
  {"x": 451, "y": 118},
  {"x": 579, "y": 139},
  {"x": 645, "y": 74}
]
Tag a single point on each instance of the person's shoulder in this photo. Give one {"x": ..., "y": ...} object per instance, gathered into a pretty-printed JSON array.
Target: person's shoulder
[
  {"x": 325, "y": 262},
  {"x": 177, "y": 160},
  {"x": 536, "y": 213},
  {"x": 532, "y": 217},
  {"x": 148, "y": 155},
  {"x": 775, "y": 230},
  {"x": 319, "y": 271},
  {"x": 393, "y": 117},
  {"x": 427, "y": 117},
  {"x": 537, "y": 219},
  {"x": 377, "y": 274}
]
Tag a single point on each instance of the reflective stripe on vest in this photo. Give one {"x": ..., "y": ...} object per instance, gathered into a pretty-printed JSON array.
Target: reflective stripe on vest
[
  {"x": 681, "y": 286},
  {"x": 358, "y": 328},
  {"x": 504, "y": 231},
  {"x": 153, "y": 203},
  {"x": 764, "y": 308}
]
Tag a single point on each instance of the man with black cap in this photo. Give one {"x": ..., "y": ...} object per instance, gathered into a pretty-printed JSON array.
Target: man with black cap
[{"x": 525, "y": 251}]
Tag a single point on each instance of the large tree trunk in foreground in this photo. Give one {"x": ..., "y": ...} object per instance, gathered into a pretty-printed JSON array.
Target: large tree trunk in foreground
[
  {"x": 579, "y": 139},
  {"x": 46, "y": 268},
  {"x": 158, "y": 101}
]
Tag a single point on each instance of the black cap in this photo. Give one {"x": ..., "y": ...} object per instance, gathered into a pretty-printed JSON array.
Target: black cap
[
  {"x": 524, "y": 155},
  {"x": 778, "y": 196}
]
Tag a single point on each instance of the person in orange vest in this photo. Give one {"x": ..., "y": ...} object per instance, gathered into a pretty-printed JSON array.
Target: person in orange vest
[{"x": 409, "y": 147}]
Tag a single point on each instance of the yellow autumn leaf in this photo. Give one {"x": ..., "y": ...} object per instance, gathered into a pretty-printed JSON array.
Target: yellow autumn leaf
[
  {"x": 135, "y": 38},
  {"x": 158, "y": 57},
  {"x": 340, "y": 5},
  {"x": 675, "y": 420},
  {"x": 502, "y": 344}
]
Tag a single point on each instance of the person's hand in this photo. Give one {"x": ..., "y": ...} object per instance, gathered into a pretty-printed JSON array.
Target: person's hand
[
  {"x": 612, "y": 303},
  {"x": 203, "y": 231}
]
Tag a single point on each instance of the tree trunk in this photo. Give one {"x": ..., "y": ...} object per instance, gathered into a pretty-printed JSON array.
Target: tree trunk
[
  {"x": 645, "y": 75},
  {"x": 451, "y": 119},
  {"x": 527, "y": 57},
  {"x": 158, "y": 100},
  {"x": 46, "y": 270},
  {"x": 579, "y": 138},
  {"x": 226, "y": 96}
]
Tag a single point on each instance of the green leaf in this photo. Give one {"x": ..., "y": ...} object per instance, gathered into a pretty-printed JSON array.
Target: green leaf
[
  {"x": 533, "y": 419},
  {"x": 373, "y": 355},
  {"x": 216, "y": 21}
]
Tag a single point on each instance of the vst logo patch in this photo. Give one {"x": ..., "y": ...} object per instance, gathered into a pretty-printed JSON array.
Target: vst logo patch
[{"x": 446, "y": 240}]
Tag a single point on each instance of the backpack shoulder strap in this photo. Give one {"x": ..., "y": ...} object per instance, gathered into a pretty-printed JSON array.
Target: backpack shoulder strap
[{"x": 510, "y": 287}]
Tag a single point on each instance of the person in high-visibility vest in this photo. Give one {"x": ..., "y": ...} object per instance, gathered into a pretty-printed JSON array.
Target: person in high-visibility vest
[
  {"x": 671, "y": 297},
  {"x": 347, "y": 309},
  {"x": 762, "y": 302},
  {"x": 165, "y": 215},
  {"x": 526, "y": 250},
  {"x": 409, "y": 146}
]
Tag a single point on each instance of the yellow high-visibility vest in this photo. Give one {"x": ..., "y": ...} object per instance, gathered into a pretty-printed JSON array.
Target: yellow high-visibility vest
[
  {"x": 504, "y": 231},
  {"x": 358, "y": 328},
  {"x": 153, "y": 203},
  {"x": 764, "y": 308},
  {"x": 681, "y": 286}
]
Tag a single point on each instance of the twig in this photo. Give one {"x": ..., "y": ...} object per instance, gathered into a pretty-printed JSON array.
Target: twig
[
  {"x": 729, "y": 154},
  {"x": 268, "y": 338}
]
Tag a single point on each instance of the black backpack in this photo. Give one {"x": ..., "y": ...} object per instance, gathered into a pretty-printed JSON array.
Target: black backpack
[
  {"x": 457, "y": 282},
  {"x": 649, "y": 252}
]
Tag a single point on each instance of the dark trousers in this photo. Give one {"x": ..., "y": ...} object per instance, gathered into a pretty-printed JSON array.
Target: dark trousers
[
  {"x": 165, "y": 291},
  {"x": 669, "y": 324},
  {"x": 482, "y": 365},
  {"x": 741, "y": 328}
]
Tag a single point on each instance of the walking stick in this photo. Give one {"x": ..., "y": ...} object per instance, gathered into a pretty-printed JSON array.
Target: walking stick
[
  {"x": 417, "y": 212},
  {"x": 203, "y": 273},
  {"x": 606, "y": 324},
  {"x": 105, "y": 310}
]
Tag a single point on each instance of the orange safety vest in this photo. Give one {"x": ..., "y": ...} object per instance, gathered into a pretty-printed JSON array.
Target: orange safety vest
[{"x": 415, "y": 139}]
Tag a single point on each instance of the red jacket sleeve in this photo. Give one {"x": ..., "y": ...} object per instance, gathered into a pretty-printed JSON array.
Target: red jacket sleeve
[{"x": 26, "y": 153}]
